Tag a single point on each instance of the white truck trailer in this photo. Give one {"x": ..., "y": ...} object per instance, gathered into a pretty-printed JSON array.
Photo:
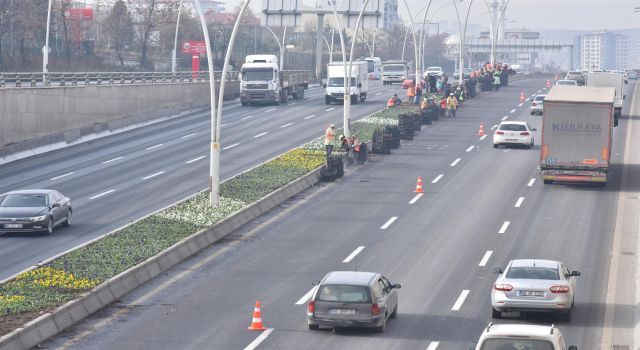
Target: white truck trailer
[
  {"x": 577, "y": 128},
  {"x": 335, "y": 82},
  {"x": 262, "y": 81},
  {"x": 608, "y": 79}
]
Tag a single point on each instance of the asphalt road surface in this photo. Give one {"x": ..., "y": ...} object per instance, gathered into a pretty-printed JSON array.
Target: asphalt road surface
[
  {"x": 117, "y": 179},
  {"x": 482, "y": 207}
]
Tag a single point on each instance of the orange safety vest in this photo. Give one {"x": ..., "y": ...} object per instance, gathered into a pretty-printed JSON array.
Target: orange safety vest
[
  {"x": 329, "y": 136},
  {"x": 391, "y": 102},
  {"x": 411, "y": 92}
]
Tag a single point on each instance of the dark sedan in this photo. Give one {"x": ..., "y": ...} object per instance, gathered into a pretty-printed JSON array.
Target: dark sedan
[{"x": 34, "y": 211}]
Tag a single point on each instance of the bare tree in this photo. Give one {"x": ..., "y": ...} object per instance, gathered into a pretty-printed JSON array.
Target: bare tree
[{"x": 119, "y": 27}]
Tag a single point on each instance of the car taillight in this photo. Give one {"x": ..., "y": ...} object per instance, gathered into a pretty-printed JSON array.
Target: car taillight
[
  {"x": 499, "y": 133},
  {"x": 375, "y": 309},
  {"x": 503, "y": 287},
  {"x": 560, "y": 289},
  {"x": 524, "y": 133},
  {"x": 311, "y": 308}
]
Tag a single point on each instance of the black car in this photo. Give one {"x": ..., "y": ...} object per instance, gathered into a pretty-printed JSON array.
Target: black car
[{"x": 34, "y": 211}]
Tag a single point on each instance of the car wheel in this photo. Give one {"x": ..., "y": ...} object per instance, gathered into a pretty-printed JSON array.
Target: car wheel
[
  {"x": 50, "y": 226},
  {"x": 67, "y": 221},
  {"x": 313, "y": 327},
  {"x": 383, "y": 327},
  {"x": 495, "y": 313},
  {"x": 394, "y": 314},
  {"x": 495, "y": 145}
]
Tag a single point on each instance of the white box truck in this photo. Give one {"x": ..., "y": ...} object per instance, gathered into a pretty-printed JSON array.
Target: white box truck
[
  {"x": 335, "y": 82},
  {"x": 262, "y": 82},
  {"x": 577, "y": 127},
  {"x": 394, "y": 72},
  {"x": 608, "y": 79}
]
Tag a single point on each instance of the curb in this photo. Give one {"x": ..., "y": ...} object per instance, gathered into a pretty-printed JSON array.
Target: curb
[{"x": 63, "y": 317}]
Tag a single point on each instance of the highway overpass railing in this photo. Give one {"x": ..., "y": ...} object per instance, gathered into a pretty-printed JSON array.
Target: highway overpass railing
[{"x": 59, "y": 79}]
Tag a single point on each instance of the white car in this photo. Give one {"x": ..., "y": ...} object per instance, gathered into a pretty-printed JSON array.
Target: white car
[
  {"x": 437, "y": 71},
  {"x": 567, "y": 82},
  {"x": 513, "y": 133},
  {"x": 521, "y": 337},
  {"x": 537, "y": 104}
]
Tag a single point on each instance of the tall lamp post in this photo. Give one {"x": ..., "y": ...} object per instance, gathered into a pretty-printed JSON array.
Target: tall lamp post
[
  {"x": 280, "y": 44},
  {"x": 463, "y": 33},
  {"x": 45, "y": 49},
  {"x": 175, "y": 41}
]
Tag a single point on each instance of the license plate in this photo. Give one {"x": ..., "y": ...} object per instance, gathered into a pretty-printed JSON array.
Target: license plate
[
  {"x": 12, "y": 225},
  {"x": 531, "y": 293},
  {"x": 342, "y": 312}
]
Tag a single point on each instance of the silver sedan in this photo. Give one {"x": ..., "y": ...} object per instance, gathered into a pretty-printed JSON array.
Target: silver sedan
[{"x": 534, "y": 285}]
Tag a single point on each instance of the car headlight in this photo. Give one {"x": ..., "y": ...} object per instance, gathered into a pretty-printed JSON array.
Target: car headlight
[{"x": 38, "y": 218}]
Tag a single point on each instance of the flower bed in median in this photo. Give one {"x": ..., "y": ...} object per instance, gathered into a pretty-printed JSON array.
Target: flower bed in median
[{"x": 69, "y": 276}]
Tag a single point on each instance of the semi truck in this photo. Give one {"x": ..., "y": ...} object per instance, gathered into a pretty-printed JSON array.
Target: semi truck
[
  {"x": 577, "y": 128},
  {"x": 262, "y": 81},
  {"x": 608, "y": 79},
  {"x": 335, "y": 82},
  {"x": 394, "y": 72}
]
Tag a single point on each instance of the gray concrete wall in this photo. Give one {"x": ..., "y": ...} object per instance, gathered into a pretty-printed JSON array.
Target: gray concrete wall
[{"x": 36, "y": 117}]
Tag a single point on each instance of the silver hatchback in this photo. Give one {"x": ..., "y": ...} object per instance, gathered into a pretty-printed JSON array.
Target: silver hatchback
[
  {"x": 353, "y": 299},
  {"x": 534, "y": 285}
]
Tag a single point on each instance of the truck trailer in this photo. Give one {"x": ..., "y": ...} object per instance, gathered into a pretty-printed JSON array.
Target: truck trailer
[
  {"x": 262, "y": 82},
  {"x": 359, "y": 84},
  {"x": 577, "y": 128}
]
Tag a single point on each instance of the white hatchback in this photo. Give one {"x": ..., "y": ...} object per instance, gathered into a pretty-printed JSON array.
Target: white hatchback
[
  {"x": 513, "y": 133},
  {"x": 521, "y": 336},
  {"x": 537, "y": 104}
]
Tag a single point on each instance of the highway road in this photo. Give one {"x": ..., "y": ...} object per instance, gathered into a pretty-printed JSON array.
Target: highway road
[
  {"x": 482, "y": 207},
  {"x": 114, "y": 180}
]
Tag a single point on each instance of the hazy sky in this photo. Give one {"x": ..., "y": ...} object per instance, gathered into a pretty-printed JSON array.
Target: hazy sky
[{"x": 533, "y": 14}]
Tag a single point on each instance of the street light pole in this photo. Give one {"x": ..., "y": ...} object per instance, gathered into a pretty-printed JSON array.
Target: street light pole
[
  {"x": 45, "y": 49},
  {"x": 214, "y": 163},
  {"x": 280, "y": 45},
  {"x": 175, "y": 41},
  {"x": 463, "y": 33},
  {"x": 415, "y": 43}
]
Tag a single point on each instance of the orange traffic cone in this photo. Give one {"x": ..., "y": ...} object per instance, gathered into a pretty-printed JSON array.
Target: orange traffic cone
[
  {"x": 521, "y": 97},
  {"x": 419, "y": 185},
  {"x": 548, "y": 83},
  {"x": 256, "y": 322},
  {"x": 481, "y": 130}
]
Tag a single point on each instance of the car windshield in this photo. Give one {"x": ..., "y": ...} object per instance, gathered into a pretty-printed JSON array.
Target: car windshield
[
  {"x": 339, "y": 81},
  {"x": 533, "y": 273},
  {"x": 516, "y": 344},
  {"x": 253, "y": 75},
  {"x": 23, "y": 200},
  {"x": 342, "y": 293},
  {"x": 512, "y": 127},
  {"x": 394, "y": 68},
  {"x": 539, "y": 98}
]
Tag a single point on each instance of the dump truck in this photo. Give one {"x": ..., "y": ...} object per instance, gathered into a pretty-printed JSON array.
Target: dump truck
[
  {"x": 262, "y": 81},
  {"x": 577, "y": 128},
  {"x": 608, "y": 79}
]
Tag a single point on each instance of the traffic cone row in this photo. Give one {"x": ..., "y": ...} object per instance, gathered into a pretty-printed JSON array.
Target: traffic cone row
[
  {"x": 481, "y": 130},
  {"x": 256, "y": 322},
  {"x": 522, "y": 97},
  {"x": 419, "y": 185}
]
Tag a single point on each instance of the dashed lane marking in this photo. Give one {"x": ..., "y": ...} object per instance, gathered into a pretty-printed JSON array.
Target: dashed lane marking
[
  {"x": 112, "y": 160},
  {"x": 437, "y": 178},
  {"x": 520, "y": 105},
  {"x": 483, "y": 137},
  {"x": 530, "y": 184},
  {"x": 528, "y": 99},
  {"x": 247, "y": 117},
  {"x": 102, "y": 194},
  {"x": 505, "y": 117},
  {"x": 388, "y": 223},
  {"x": 519, "y": 202},
  {"x": 353, "y": 254},
  {"x": 513, "y": 111},
  {"x": 415, "y": 199},
  {"x": 460, "y": 301},
  {"x": 470, "y": 149},
  {"x": 455, "y": 162},
  {"x": 195, "y": 159},
  {"x": 309, "y": 117},
  {"x": 189, "y": 135},
  {"x": 286, "y": 125},
  {"x": 433, "y": 345},
  {"x": 260, "y": 135},
  {"x": 485, "y": 258},
  {"x": 506, "y": 150},
  {"x": 61, "y": 176},
  {"x": 306, "y": 297},
  {"x": 153, "y": 175},
  {"x": 379, "y": 93},
  {"x": 270, "y": 110},
  {"x": 152, "y": 147},
  {"x": 330, "y": 109},
  {"x": 254, "y": 344},
  {"x": 231, "y": 146},
  {"x": 504, "y": 227}
]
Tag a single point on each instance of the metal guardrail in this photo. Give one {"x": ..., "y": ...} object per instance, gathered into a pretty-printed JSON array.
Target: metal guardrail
[{"x": 58, "y": 79}]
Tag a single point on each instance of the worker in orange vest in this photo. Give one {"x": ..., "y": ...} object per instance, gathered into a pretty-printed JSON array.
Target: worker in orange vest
[
  {"x": 391, "y": 103},
  {"x": 329, "y": 137}
]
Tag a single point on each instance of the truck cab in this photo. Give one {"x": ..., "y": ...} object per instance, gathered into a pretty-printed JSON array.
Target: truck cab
[
  {"x": 394, "y": 72},
  {"x": 359, "y": 83},
  {"x": 260, "y": 80}
]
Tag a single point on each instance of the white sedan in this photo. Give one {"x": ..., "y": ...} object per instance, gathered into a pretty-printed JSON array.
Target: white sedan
[{"x": 513, "y": 133}]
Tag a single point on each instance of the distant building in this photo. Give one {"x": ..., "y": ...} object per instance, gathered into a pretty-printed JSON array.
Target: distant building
[
  {"x": 603, "y": 51},
  {"x": 391, "y": 17}
]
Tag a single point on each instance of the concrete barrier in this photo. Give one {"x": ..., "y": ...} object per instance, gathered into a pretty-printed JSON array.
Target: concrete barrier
[
  {"x": 34, "y": 118},
  {"x": 63, "y": 317}
]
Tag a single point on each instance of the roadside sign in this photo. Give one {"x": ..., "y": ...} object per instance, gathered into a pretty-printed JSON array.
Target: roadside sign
[
  {"x": 79, "y": 13},
  {"x": 194, "y": 47}
]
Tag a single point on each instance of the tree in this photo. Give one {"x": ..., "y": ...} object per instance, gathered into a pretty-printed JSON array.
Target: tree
[{"x": 119, "y": 27}]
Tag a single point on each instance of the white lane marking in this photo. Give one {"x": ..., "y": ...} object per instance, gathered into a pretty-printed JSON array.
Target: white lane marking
[
  {"x": 187, "y": 136},
  {"x": 309, "y": 99},
  {"x": 485, "y": 258},
  {"x": 388, "y": 223},
  {"x": 528, "y": 99},
  {"x": 153, "y": 175},
  {"x": 270, "y": 110},
  {"x": 530, "y": 184},
  {"x": 504, "y": 227},
  {"x": 112, "y": 160},
  {"x": 506, "y": 150},
  {"x": 460, "y": 301},
  {"x": 306, "y": 297},
  {"x": 102, "y": 194},
  {"x": 433, "y": 345},
  {"x": 519, "y": 202},
  {"x": 520, "y": 105},
  {"x": 291, "y": 104},
  {"x": 309, "y": 117},
  {"x": 152, "y": 147},
  {"x": 260, "y": 135},
  {"x": 483, "y": 137},
  {"x": 195, "y": 159},
  {"x": 223, "y": 124},
  {"x": 505, "y": 117},
  {"x": 415, "y": 199},
  {"x": 539, "y": 91},
  {"x": 379, "y": 93},
  {"x": 247, "y": 117},
  {"x": 330, "y": 109},
  {"x": 456, "y": 162},
  {"x": 437, "y": 178},
  {"x": 284, "y": 126},
  {"x": 470, "y": 148},
  {"x": 390, "y": 90},
  {"x": 353, "y": 254},
  {"x": 231, "y": 146},
  {"x": 513, "y": 111},
  {"x": 494, "y": 127},
  {"x": 254, "y": 344},
  {"x": 61, "y": 176}
]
